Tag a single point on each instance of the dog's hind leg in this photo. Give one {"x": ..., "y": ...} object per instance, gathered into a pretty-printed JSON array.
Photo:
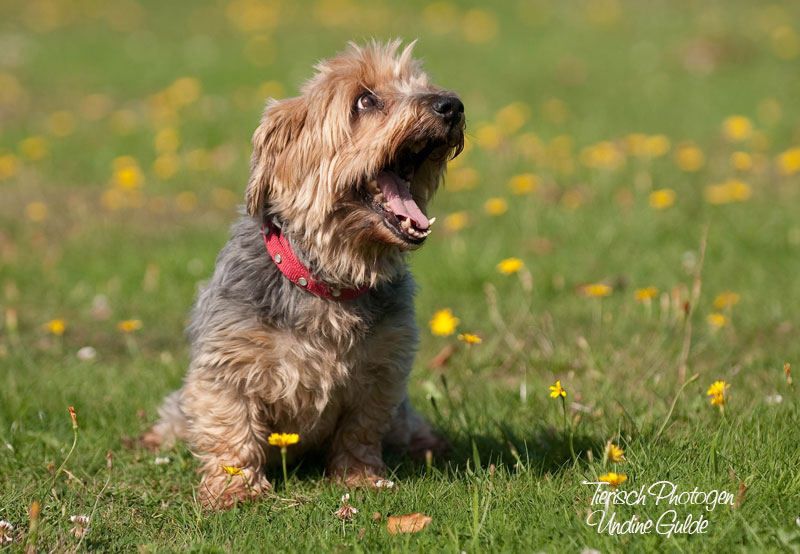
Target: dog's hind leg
[
  {"x": 411, "y": 432},
  {"x": 172, "y": 424}
]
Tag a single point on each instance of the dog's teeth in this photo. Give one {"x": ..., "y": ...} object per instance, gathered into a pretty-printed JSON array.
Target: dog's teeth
[
  {"x": 380, "y": 198},
  {"x": 431, "y": 221},
  {"x": 406, "y": 224},
  {"x": 373, "y": 187}
]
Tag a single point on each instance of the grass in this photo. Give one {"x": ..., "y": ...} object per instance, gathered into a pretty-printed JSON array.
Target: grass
[{"x": 76, "y": 246}]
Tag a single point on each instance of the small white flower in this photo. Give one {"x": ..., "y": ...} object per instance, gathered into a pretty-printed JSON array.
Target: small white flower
[
  {"x": 87, "y": 353},
  {"x": 346, "y": 512},
  {"x": 161, "y": 461},
  {"x": 774, "y": 399},
  {"x": 346, "y": 498},
  {"x": 81, "y": 525},
  {"x": 384, "y": 484},
  {"x": 5, "y": 532}
]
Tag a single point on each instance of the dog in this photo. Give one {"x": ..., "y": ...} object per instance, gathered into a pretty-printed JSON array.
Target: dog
[{"x": 307, "y": 325}]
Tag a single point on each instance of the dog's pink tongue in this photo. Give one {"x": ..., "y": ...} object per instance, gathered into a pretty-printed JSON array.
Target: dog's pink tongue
[{"x": 400, "y": 200}]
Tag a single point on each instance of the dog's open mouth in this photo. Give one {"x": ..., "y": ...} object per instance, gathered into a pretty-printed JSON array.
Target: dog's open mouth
[{"x": 389, "y": 193}]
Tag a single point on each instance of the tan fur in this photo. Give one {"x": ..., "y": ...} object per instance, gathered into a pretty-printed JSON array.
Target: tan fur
[{"x": 334, "y": 372}]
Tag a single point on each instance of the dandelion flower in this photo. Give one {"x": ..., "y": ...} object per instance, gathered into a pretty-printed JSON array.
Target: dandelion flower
[
  {"x": 470, "y": 339},
  {"x": 741, "y": 161},
  {"x": 36, "y": 211},
  {"x": 556, "y": 390},
  {"x": 443, "y": 323},
  {"x": 737, "y": 128},
  {"x": 524, "y": 183},
  {"x": 717, "y": 388},
  {"x": 456, "y": 221},
  {"x": 717, "y": 320},
  {"x": 283, "y": 440},
  {"x": 614, "y": 453},
  {"x": 726, "y": 299},
  {"x": 661, "y": 199},
  {"x": 230, "y": 470},
  {"x": 56, "y": 327},
  {"x": 597, "y": 290},
  {"x": 5, "y": 532},
  {"x": 645, "y": 294},
  {"x": 496, "y": 206},
  {"x": 129, "y": 325},
  {"x": 689, "y": 157},
  {"x": 80, "y": 525},
  {"x": 614, "y": 479},
  {"x": 510, "y": 265}
]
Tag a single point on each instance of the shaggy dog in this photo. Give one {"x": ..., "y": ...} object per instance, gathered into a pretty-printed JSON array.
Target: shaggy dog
[{"x": 307, "y": 325}]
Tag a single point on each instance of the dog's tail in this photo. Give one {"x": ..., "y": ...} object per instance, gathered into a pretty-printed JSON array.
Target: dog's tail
[{"x": 171, "y": 426}]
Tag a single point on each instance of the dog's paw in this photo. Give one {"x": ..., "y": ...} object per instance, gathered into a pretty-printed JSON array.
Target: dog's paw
[{"x": 223, "y": 491}]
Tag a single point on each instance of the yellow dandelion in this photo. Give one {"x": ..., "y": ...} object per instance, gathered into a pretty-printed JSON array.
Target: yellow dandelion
[
  {"x": 8, "y": 166},
  {"x": 510, "y": 266},
  {"x": 613, "y": 479},
  {"x": 597, "y": 290},
  {"x": 645, "y": 294},
  {"x": 689, "y": 157},
  {"x": 470, "y": 338},
  {"x": 166, "y": 140},
  {"x": 661, "y": 199},
  {"x": 479, "y": 26},
  {"x": 512, "y": 117},
  {"x": 718, "y": 392},
  {"x": 730, "y": 191},
  {"x": 456, "y": 221},
  {"x": 656, "y": 146},
  {"x": 603, "y": 155},
  {"x": 524, "y": 183},
  {"x": 61, "y": 123},
  {"x": 464, "y": 178},
  {"x": 488, "y": 136},
  {"x": 129, "y": 325},
  {"x": 785, "y": 42},
  {"x": 496, "y": 206},
  {"x": 36, "y": 211},
  {"x": 556, "y": 390},
  {"x": 726, "y": 299},
  {"x": 741, "y": 161},
  {"x": 614, "y": 453},
  {"x": 717, "y": 320},
  {"x": 283, "y": 440},
  {"x": 737, "y": 128},
  {"x": 789, "y": 161},
  {"x": 33, "y": 148},
  {"x": 231, "y": 470},
  {"x": 443, "y": 323},
  {"x": 55, "y": 327},
  {"x": 186, "y": 201},
  {"x": 166, "y": 165}
]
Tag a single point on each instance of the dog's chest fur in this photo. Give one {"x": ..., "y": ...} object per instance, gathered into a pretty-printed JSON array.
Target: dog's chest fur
[{"x": 296, "y": 360}]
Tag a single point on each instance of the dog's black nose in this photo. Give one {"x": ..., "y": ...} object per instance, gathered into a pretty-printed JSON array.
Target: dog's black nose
[{"x": 449, "y": 107}]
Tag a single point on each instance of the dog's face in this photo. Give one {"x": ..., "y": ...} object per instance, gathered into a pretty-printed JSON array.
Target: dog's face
[{"x": 355, "y": 159}]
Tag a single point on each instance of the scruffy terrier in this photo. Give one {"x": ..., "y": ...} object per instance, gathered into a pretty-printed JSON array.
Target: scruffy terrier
[{"x": 307, "y": 325}]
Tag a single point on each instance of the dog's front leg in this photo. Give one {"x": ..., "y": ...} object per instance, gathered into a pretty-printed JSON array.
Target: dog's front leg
[{"x": 355, "y": 458}]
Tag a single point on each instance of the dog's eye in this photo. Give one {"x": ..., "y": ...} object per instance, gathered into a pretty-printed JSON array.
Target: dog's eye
[{"x": 367, "y": 101}]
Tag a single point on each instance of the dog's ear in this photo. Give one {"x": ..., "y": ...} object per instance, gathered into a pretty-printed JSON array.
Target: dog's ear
[{"x": 281, "y": 125}]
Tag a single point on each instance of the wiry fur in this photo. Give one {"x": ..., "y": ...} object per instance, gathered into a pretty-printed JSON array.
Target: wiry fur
[{"x": 268, "y": 356}]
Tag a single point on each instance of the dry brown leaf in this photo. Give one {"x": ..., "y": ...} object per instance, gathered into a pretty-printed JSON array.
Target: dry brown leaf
[
  {"x": 409, "y": 523},
  {"x": 441, "y": 359}
]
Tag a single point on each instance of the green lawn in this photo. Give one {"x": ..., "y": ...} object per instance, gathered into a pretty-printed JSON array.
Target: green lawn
[{"x": 632, "y": 131}]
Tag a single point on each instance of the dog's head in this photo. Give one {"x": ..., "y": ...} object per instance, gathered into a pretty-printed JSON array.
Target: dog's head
[{"x": 348, "y": 167}]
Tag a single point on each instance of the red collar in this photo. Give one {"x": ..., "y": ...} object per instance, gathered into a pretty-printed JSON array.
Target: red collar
[{"x": 281, "y": 253}]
